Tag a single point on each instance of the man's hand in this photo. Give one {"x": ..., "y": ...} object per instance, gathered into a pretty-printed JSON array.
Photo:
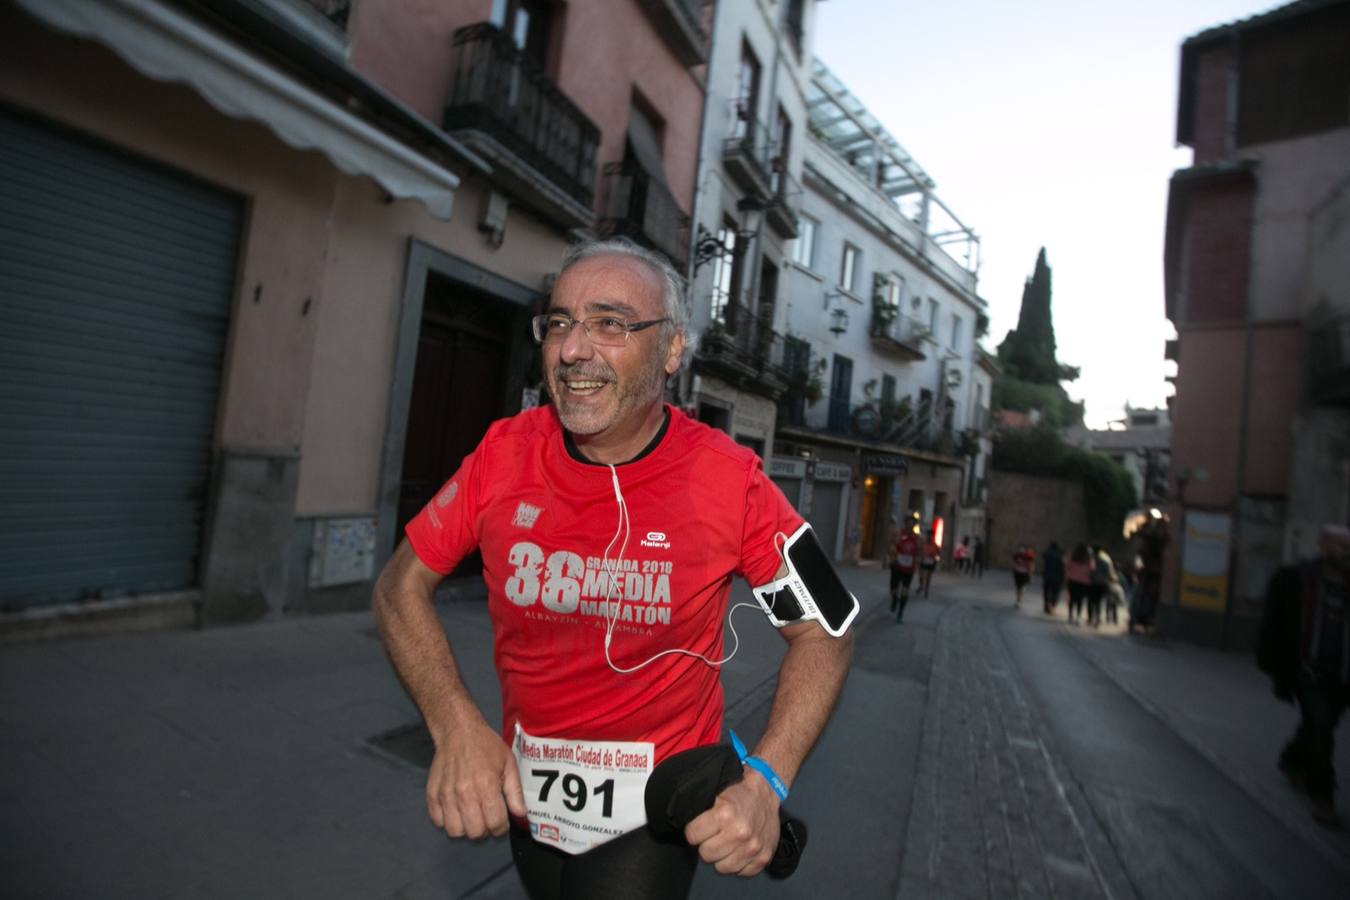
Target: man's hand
[
  {"x": 739, "y": 834},
  {"x": 472, "y": 784}
]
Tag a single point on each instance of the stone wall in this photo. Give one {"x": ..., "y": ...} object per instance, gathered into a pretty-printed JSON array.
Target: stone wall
[{"x": 1034, "y": 510}]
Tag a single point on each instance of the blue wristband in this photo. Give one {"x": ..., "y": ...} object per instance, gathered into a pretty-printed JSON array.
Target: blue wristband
[{"x": 759, "y": 766}]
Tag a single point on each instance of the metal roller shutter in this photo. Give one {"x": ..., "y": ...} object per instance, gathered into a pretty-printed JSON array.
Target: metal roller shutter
[
  {"x": 116, "y": 278},
  {"x": 826, "y": 496}
]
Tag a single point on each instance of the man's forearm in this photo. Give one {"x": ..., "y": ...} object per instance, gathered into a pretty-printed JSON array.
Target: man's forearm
[
  {"x": 420, "y": 652},
  {"x": 809, "y": 681}
]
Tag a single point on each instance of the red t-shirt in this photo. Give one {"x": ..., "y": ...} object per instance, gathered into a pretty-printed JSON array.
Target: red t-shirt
[
  {"x": 906, "y": 549},
  {"x": 1024, "y": 561},
  {"x": 700, "y": 509}
]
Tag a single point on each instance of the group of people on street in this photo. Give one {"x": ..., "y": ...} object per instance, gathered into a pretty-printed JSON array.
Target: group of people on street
[
  {"x": 969, "y": 557},
  {"x": 1097, "y": 586}
]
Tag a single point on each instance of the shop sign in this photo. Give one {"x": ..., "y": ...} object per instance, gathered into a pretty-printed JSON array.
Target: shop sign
[
  {"x": 885, "y": 464},
  {"x": 828, "y": 471},
  {"x": 787, "y": 468}
]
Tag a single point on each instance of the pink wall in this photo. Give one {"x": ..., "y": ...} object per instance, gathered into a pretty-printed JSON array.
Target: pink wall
[
  {"x": 606, "y": 49},
  {"x": 1211, "y": 104},
  {"x": 1205, "y": 413},
  {"x": 1218, "y": 237},
  {"x": 609, "y": 49},
  {"x": 404, "y": 46}
]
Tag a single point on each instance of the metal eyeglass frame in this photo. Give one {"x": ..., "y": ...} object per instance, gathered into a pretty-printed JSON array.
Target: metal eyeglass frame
[{"x": 538, "y": 325}]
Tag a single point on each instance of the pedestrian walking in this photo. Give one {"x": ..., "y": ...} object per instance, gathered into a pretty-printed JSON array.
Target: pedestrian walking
[
  {"x": 904, "y": 559},
  {"x": 977, "y": 559},
  {"x": 1023, "y": 562},
  {"x": 1097, "y": 585},
  {"x": 1078, "y": 576},
  {"x": 932, "y": 555},
  {"x": 1304, "y": 646},
  {"x": 1052, "y": 576},
  {"x": 961, "y": 554},
  {"x": 1115, "y": 593}
]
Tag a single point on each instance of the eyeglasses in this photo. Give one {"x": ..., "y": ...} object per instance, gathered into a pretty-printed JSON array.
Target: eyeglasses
[{"x": 604, "y": 331}]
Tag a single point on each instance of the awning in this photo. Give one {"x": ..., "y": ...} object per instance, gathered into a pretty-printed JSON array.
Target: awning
[{"x": 167, "y": 45}]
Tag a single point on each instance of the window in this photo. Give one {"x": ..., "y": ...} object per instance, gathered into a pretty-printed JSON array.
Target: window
[
  {"x": 781, "y": 150},
  {"x": 723, "y": 272},
  {"x": 895, "y": 291},
  {"x": 887, "y": 389},
  {"x": 804, "y": 247},
  {"x": 849, "y": 269},
  {"x": 933, "y": 318},
  {"x": 747, "y": 90},
  {"x": 956, "y": 333}
]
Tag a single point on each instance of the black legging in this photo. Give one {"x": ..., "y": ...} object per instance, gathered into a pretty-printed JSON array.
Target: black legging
[
  {"x": 1050, "y": 588},
  {"x": 634, "y": 865},
  {"x": 1078, "y": 592}
]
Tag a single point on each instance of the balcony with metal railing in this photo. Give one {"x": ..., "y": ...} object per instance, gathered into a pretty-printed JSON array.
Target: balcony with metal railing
[
  {"x": 642, "y": 208},
  {"x": 504, "y": 107},
  {"x": 898, "y": 334},
  {"x": 745, "y": 155},
  {"x": 742, "y": 349}
]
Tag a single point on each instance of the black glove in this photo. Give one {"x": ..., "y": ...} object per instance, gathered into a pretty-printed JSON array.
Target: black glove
[{"x": 687, "y": 784}]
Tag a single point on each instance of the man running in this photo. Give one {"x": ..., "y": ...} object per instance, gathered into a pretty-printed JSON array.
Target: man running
[
  {"x": 610, "y": 525},
  {"x": 904, "y": 559}
]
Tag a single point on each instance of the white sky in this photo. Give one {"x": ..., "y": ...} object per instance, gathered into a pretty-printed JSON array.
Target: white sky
[{"x": 1044, "y": 123}]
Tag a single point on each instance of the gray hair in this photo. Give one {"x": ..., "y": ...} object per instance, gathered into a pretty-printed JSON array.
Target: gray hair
[{"x": 672, "y": 284}]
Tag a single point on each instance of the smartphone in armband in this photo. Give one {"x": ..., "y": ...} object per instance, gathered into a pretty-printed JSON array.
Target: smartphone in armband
[{"x": 811, "y": 589}]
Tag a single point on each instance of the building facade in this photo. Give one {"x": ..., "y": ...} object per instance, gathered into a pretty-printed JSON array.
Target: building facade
[
  {"x": 887, "y": 391},
  {"x": 1258, "y": 287},
  {"x": 277, "y": 268},
  {"x": 749, "y": 194}
]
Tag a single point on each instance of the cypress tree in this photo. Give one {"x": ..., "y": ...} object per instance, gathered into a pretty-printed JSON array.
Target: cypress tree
[
  {"x": 1031, "y": 375},
  {"x": 1028, "y": 352}
]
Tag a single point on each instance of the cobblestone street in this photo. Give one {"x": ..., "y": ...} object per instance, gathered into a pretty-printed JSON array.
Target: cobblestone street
[{"x": 992, "y": 817}]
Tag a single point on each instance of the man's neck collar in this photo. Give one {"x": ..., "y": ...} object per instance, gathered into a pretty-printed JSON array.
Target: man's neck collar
[{"x": 575, "y": 452}]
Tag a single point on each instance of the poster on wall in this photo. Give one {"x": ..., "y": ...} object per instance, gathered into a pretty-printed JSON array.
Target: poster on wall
[{"x": 1204, "y": 561}]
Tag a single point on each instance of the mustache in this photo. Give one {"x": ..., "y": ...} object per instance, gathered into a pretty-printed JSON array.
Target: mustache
[{"x": 580, "y": 371}]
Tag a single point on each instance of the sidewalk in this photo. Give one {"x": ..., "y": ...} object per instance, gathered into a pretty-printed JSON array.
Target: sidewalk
[{"x": 1218, "y": 702}]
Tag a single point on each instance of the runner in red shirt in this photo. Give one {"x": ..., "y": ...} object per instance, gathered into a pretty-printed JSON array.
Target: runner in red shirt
[
  {"x": 610, "y": 526},
  {"x": 903, "y": 562},
  {"x": 932, "y": 555}
]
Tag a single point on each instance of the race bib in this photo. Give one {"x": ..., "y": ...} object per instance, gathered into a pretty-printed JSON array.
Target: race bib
[
  {"x": 580, "y": 794},
  {"x": 904, "y": 560}
]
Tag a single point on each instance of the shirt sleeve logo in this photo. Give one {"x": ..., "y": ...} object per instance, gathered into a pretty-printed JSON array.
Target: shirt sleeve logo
[{"x": 447, "y": 496}]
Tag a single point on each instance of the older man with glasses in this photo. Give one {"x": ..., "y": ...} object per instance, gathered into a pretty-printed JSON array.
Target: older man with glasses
[{"x": 610, "y": 526}]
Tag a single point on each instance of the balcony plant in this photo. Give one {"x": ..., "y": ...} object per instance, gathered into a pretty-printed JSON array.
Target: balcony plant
[{"x": 884, "y": 313}]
